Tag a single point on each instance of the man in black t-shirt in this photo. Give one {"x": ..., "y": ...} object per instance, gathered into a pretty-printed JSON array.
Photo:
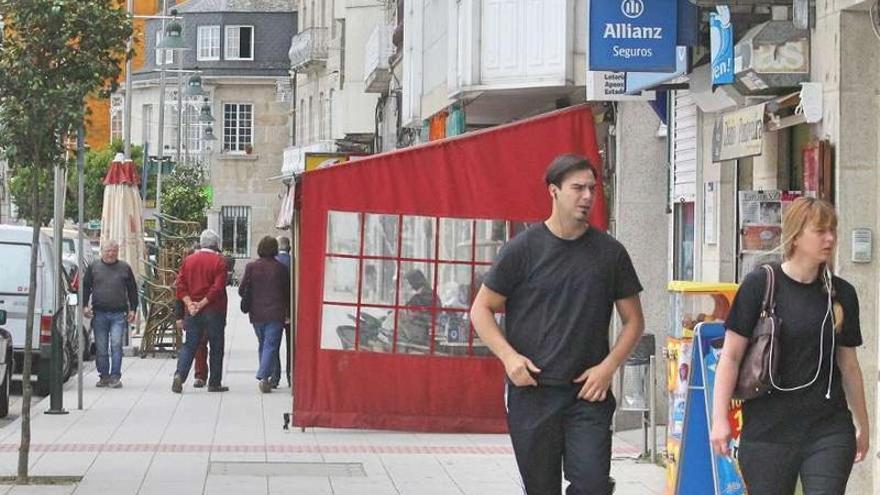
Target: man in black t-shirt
[{"x": 558, "y": 283}]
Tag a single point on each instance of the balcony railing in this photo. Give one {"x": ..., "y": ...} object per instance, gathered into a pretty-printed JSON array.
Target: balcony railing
[
  {"x": 377, "y": 51},
  {"x": 308, "y": 50}
]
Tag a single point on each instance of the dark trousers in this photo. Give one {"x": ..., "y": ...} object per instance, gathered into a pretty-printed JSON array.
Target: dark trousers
[
  {"x": 276, "y": 372},
  {"x": 823, "y": 460},
  {"x": 211, "y": 324},
  {"x": 201, "y": 359},
  {"x": 553, "y": 431}
]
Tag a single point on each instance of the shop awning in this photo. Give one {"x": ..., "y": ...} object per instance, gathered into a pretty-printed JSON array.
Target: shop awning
[{"x": 495, "y": 176}]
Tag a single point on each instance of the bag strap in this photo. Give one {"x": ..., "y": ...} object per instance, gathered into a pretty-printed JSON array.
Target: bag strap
[{"x": 769, "y": 304}]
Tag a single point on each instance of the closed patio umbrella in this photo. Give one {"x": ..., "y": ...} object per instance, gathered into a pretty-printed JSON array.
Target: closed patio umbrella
[{"x": 122, "y": 215}]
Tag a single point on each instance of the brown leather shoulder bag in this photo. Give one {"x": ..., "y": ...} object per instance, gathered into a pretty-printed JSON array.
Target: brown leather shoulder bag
[{"x": 764, "y": 350}]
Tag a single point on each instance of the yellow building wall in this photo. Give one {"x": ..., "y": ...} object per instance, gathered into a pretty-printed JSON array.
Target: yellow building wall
[{"x": 98, "y": 120}]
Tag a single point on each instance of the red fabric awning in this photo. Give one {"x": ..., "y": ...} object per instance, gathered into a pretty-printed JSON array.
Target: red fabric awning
[{"x": 491, "y": 174}]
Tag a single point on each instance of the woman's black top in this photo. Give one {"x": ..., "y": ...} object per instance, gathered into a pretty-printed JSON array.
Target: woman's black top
[{"x": 786, "y": 417}]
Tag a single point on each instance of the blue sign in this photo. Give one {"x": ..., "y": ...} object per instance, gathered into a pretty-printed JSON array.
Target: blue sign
[
  {"x": 721, "y": 42},
  {"x": 637, "y": 82},
  {"x": 632, "y": 35},
  {"x": 700, "y": 469}
]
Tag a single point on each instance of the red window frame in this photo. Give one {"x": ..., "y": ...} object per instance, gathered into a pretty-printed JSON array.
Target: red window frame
[{"x": 435, "y": 262}]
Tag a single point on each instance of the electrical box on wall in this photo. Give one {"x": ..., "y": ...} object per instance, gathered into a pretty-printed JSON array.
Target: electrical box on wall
[{"x": 862, "y": 245}]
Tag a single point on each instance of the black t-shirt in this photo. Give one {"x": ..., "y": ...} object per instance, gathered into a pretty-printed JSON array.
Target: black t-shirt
[
  {"x": 786, "y": 416},
  {"x": 560, "y": 294}
]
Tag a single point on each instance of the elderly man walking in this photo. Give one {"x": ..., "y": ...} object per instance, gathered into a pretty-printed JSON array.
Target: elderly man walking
[
  {"x": 112, "y": 290},
  {"x": 201, "y": 285}
]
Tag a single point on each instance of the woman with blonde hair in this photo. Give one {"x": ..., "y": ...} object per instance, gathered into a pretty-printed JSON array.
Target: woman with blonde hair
[{"x": 813, "y": 423}]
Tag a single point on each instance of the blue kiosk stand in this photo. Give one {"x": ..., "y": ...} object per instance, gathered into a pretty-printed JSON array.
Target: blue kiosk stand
[{"x": 701, "y": 472}]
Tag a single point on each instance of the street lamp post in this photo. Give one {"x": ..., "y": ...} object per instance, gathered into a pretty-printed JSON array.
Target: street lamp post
[{"x": 172, "y": 41}]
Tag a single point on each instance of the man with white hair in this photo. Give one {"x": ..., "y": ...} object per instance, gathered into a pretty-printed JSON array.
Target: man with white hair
[
  {"x": 111, "y": 288},
  {"x": 201, "y": 285}
]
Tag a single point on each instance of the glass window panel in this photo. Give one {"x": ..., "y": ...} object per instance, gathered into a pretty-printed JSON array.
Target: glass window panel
[
  {"x": 455, "y": 239},
  {"x": 414, "y": 331},
  {"x": 227, "y": 233},
  {"x": 453, "y": 331},
  {"x": 418, "y": 237},
  {"x": 378, "y": 282},
  {"x": 343, "y": 232},
  {"x": 491, "y": 235},
  {"x": 337, "y": 327},
  {"x": 377, "y": 329},
  {"x": 478, "y": 348},
  {"x": 480, "y": 272},
  {"x": 340, "y": 280},
  {"x": 380, "y": 235},
  {"x": 241, "y": 236},
  {"x": 417, "y": 280},
  {"x": 454, "y": 285}
]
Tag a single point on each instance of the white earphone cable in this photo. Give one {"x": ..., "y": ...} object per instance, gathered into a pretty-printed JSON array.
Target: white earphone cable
[{"x": 828, "y": 312}]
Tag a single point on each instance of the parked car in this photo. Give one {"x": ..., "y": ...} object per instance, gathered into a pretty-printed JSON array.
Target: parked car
[
  {"x": 6, "y": 365},
  {"x": 70, "y": 246},
  {"x": 15, "y": 286}
]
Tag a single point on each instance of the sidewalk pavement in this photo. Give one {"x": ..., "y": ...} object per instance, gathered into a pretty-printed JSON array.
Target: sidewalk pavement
[{"x": 143, "y": 439}]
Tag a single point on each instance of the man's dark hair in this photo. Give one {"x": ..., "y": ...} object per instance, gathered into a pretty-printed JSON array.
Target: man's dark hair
[
  {"x": 563, "y": 165},
  {"x": 268, "y": 247}
]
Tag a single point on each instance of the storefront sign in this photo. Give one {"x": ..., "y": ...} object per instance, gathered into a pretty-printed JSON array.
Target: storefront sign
[
  {"x": 721, "y": 41},
  {"x": 738, "y": 134},
  {"x": 632, "y": 35},
  {"x": 639, "y": 81},
  {"x": 611, "y": 86},
  {"x": 314, "y": 161}
]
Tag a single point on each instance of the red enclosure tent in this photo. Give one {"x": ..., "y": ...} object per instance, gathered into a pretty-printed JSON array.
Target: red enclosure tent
[{"x": 392, "y": 250}]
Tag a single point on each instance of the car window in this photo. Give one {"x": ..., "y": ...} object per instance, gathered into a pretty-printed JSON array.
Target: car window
[
  {"x": 68, "y": 246},
  {"x": 16, "y": 268}
]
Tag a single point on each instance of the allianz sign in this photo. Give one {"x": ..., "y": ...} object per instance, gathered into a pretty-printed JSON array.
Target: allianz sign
[{"x": 632, "y": 35}]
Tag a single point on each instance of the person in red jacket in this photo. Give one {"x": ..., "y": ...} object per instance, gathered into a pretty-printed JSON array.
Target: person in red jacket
[{"x": 201, "y": 285}]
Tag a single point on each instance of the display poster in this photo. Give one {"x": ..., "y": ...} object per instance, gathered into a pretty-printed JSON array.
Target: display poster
[
  {"x": 700, "y": 470},
  {"x": 760, "y": 223}
]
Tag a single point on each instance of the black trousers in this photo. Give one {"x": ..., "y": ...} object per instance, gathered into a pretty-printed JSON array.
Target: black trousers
[
  {"x": 551, "y": 431},
  {"x": 214, "y": 325},
  {"x": 823, "y": 460}
]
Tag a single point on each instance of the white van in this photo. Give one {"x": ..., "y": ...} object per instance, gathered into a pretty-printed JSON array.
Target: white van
[{"x": 15, "y": 256}]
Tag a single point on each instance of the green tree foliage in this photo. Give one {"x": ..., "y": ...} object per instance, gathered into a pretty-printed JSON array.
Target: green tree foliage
[
  {"x": 53, "y": 54},
  {"x": 185, "y": 194},
  {"x": 20, "y": 187}
]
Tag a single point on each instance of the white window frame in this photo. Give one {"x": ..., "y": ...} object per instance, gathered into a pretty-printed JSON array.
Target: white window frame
[
  {"x": 227, "y": 51},
  {"x": 208, "y": 43},
  {"x": 160, "y": 59},
  {"x": 117, "y": 102},
  {"x": 227, "y": 145}
]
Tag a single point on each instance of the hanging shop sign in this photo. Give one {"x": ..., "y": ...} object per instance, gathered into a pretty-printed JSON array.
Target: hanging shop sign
[
  {"x": 772, "y": 58},
  {"x": 637, "y": 82},
  {"x": 738, "y": 134},
  {"x": 632, "y": 35},
  {"x": 611, "y": 86},
  {"x": 315, "y": 161},
  {"x": 721, "y": 42}
]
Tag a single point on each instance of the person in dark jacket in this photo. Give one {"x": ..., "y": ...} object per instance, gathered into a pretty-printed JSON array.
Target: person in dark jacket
[
  {"x": 268, "y": 283},
  {"x": 110, "y": 292},
  {"x": 285, "y": 259}
]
